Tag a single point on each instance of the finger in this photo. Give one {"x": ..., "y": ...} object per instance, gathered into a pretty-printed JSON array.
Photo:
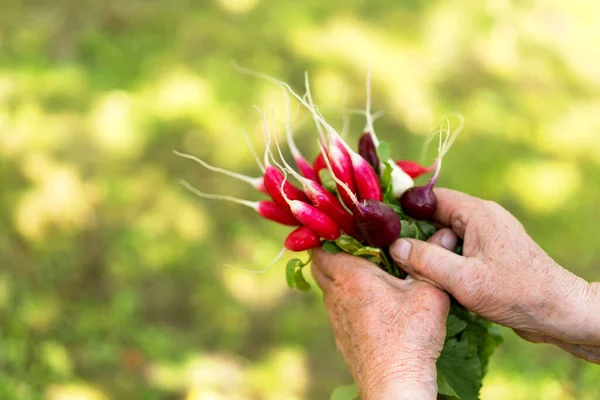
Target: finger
[
  {"x": 429, "y": 262},
  {"x": 446, "y": 238},
  {"x": 345, "y": 269},
  {"x": 322, "y": 280},
  {"x": 335, "y": 266},
  {"x": 454, "y": 209}
]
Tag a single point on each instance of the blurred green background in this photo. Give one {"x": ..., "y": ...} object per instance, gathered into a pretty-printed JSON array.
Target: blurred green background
[{"x": 112, "y": 279}]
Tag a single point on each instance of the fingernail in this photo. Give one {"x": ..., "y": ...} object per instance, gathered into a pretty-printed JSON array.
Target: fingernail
[
  {"x": 400, "y": 250},
  {"x": 448, "y": 240}
]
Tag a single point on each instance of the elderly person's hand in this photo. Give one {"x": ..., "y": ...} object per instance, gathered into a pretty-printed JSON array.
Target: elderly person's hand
[
  {"x": 505, "y": 276},
  {"x": 389, "y": 331}
]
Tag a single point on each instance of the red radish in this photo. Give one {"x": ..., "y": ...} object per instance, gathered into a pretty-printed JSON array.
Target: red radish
[
  {"x": 323, "y": 200},
  {"x": 378, "y": 223},
  {"x": 367, "y": 182},
  {"x": 367, "y": 150},
  {"x": 301, "y": 239},
  {"x": 413, "y": 169},
  {"x": 256, "y": 183},
  {"x": 311, "y": 217},
  {"x": 305, "y": 168},
  {"x": 318, "y": 165},
  {"x": 341, "y": 167},
  {"x": 274, "y": 181},
  {"x": 420, "y": 202},
  {"x": 267, "y": 209}
]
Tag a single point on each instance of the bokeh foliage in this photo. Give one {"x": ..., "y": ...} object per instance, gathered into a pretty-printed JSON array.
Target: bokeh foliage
[{"x": 112, "y": 282}]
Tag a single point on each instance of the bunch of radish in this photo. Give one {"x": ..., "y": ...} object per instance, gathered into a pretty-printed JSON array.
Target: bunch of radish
[
  {"x": 360, "y": 202},
  {"x": 345, "y": 200}
]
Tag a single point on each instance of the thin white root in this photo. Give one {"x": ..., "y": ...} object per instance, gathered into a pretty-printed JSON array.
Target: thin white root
[
  {"x": 287, "y": 167},
  {"x": 267, "y": 137},
  {"x": 255, "y": 182},
  {"x": 345, "y": 127},
  {"x": 288, "y": 126},
  {"x": 251, "y": 147},
  {"x": 251, "y": 204},
  {"x": 312, "y": 104},
  {"x": 319, "y": 119},
  {"x": 370, "y": 120},
  {"x": 450, "y": 136},
  {"x": 265, "y": 269}
]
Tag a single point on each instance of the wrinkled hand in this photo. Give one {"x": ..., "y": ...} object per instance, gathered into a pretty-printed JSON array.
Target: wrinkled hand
[
  {"x": 389, "y": 331},
  {"x": 505, "y": 276}
]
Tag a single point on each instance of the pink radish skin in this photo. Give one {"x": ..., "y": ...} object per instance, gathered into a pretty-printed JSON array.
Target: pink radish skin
[
  {"x": 314, "y": 219},
  {"x": 341, "y": 166},
  {"x": 413, "y": 169},
  {"x": 330, "y": 205},
  {"x": 273, "y": 181},
  {"x": 271, "y": 211},
  {"x": 367, "y": 183},
  {"x": 321, "y": 199},
  {"x": 261, "y": 187},
  {"x": 305, "y": 168},
  {"x": 318, "y": 165},
  {"x": 301, "y": 239}
]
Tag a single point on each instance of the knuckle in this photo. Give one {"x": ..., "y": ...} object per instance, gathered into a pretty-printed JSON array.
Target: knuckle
[
  {"x": 474, "y": 287},
  {"x": 355, "y": 286}
]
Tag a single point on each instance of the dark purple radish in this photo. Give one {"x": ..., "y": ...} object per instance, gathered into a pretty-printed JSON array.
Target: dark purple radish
[
  {"x": 420, "y": 202},
  {"x": 378, "y": 223},
  {"x": 366, "y": 148}
]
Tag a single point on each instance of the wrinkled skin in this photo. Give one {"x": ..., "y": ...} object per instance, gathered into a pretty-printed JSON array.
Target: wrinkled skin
[
  {"x": 389, "y": 331},
  {"x": 505, "y": 276}
]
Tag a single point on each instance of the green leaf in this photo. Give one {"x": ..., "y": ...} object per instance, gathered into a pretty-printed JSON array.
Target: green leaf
[
  {"x": 330, "y": 247},
  {"x": 409, "y": 229},
  {"x": 444, "y": 387},
  {"x": 327, "y": 181},
  {"x": 454, "y": 325},
  {"x": 289, "y": 271},
  {"x": 459, "y": 369},
  {"x": 485, "y": 336},
  {"x": 383, "y": 151},
  {"x": 348, "y": 243},
  {"x": 385, "y": 181},
  {"x": 345, "y": 392},
  {"x": 395, "y": 206},
  {"x": 368, "y": 251},
  {"x": 300, "y": 282},
  {"x": 427, "y": 229}
]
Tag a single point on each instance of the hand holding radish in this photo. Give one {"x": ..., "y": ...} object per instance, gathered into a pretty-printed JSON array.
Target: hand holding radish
[
  {"x": 389, "y": 331},
  {"x": 360, "y": 203},
  {"x": 504, "y": 275}
]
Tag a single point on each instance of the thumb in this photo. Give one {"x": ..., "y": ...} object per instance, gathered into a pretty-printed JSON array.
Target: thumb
[{"x": 428, "y": 262}]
